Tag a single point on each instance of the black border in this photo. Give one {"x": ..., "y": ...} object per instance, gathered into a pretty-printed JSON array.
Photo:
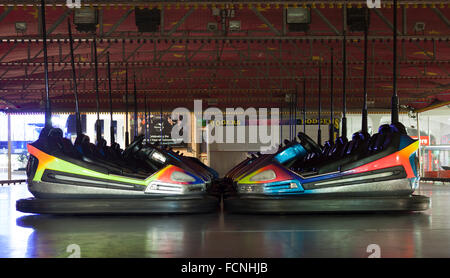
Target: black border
[{"x": 171, "y": 267}]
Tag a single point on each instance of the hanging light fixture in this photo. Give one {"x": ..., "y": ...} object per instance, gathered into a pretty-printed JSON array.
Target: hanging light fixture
[
  {"x": 86, "y": 19},
  {"x": 21, "y": 27},
  {"x": 298, "y": 19}
]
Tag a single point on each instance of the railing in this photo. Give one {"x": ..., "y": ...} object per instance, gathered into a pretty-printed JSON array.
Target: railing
[{"x": 9, "y": 182}]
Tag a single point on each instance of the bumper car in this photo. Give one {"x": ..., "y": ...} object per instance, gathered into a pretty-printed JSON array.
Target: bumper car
[
  {"x": 365, "y": 174},
  {"x": 87, "y": 178},
  {"x": 377, "y": 173},
  {"x": 285, "y": 155},
  {"x": 62, "y": 182}
]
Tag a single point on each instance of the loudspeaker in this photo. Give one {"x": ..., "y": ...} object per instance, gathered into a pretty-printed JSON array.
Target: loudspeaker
[
  {"x": 298, "y": 19},
  {"x": 147, "y": 20},
  {"x": 358, "y": 19}
]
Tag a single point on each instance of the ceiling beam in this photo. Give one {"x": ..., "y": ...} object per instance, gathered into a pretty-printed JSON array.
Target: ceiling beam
[
  {"x": 266, "y": 21},
  {"x": 104, "y": 3},
  {"x": 180, "y": 22},
  {"x": 118, "y": 23},
  {"x": 329, "y": 24},
  {"x": 134, "y": 36},
  {"x": 441, "y": 16},
  {"x": 5, "y": 13}
]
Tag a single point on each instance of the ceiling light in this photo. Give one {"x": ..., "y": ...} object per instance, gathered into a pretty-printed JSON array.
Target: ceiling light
[
  {"x": 298, "y": 15},
  {"x": 21, "y": 27},
  {"x": 298, "y": 19},
  {"x": 419, "y": 27},
  {"x": 212, "y": 26},
  {"x": 235, "y": 25}
]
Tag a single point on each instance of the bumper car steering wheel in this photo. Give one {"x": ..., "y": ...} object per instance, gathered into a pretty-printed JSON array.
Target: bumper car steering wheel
[{"x": 134, "y": 147}]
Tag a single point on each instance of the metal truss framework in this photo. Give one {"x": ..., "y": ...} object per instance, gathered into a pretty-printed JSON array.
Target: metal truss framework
[{"x": 201, "y": 59}]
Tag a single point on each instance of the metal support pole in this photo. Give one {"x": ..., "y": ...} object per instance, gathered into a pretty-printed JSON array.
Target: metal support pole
[
  {"x": 419, "y": 156},
  {"x": 48, "y": 115},
  {"x": 135, "y": 126},
  {"x": 9, "y": 146},
  {"x": 344, "y": 76},
  {"x": 290, "y": 116},
  {"x": 319, "y": 131},
  {"x": 74, "y": 77},
  {"x": 295, "y": 110},
  {"x": 161, "y": 121},
  {"x": 111, "y": 128},
  {"x": 364, "y": 127},
  {"x": 394, "y": 108},
  {"x": 331, "y": 126},
  {"x": 429, "y": 143},
  {"x": 145, "y": 117},
  {"x": 281, "y": 122},
  {"x": 127, "y": 136},
  {"x": 98, "y": 129},
  {"x": 304, "y": 104}
]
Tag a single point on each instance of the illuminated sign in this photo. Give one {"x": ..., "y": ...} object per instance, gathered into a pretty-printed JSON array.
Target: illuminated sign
[{"x": 424, "y": 140}]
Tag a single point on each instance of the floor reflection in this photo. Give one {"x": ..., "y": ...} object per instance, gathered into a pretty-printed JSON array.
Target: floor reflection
[
  {"x": 117, "y": 236},
  {"x": 227, "y": 235},
  {"x": 12, "y": 238},
  {"x": 237, "y": 236}
]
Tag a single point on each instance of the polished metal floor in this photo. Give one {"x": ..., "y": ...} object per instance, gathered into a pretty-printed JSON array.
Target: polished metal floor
[{"x": 425, "y": 234}]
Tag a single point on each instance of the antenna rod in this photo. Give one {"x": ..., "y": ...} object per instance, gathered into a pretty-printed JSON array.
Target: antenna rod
[
  {"x": 394, "y": 108},
  {"x": 344, "y": 80},
  {"x": 304, "y": 104},
  {"x": 111, "y": 127},
  {"x": 98, "y": 128},
  {"x": 48, "y": 112},
  {"x": 292, "y": 102},
  {"x": 364, "y": 127},
  {"x": 145, "y": 116},
  {"x": 331, "y": 127},
  {"x": 319, "y": 131},
  {"x": 127, "y": 136},
  {"x": 161, "y": 121},
  {"x": 135, "y": 109},
  {"x": 290, "y": 116},
  {"x": 74, "y": 77},
  {"x": 295, "y": 109},
  {"x": 281, "y": 122}
]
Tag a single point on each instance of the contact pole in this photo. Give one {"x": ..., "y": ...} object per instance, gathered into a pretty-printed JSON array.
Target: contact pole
[
  {"x": 394, "y": 105},
  {"x": 48, "y": 112}
]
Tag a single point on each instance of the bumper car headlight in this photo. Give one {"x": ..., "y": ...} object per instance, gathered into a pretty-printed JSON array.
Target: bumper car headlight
[
  {"x": 181, "y": 177},
  {"x": 170, "y": 188},
  {"x": 250, "y": 188},
  {"x": 264, "y": 176},
  {"x": 159, "y": 157}
]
